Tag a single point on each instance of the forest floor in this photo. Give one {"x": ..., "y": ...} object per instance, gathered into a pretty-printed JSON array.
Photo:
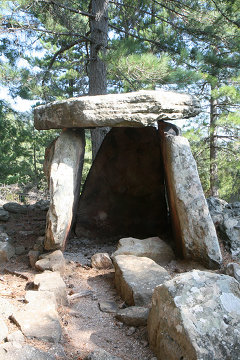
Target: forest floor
[{"x": 85, "y": 326}]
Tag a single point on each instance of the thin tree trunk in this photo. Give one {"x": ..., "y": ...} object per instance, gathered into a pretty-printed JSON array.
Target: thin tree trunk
[
  {"x": 213, "y": 148},
  {"x": 97, "y": 68}
]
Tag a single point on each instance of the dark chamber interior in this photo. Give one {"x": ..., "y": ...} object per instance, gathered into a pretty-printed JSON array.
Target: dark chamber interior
[{"x": 124, "y": 193}]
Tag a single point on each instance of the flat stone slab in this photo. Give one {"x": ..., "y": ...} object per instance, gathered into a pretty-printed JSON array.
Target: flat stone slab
[
  {"x": 196, "y": 316},
  {"x": 134, "y": 109},
  {"x": 133, "y": 316},
  {"x": 53, "y": 261},
  {"x": 137, "y": 277},
  {"x": 17, "y": 351},
  {"x": 52, "y": 281},
  {"x": 153, "y": 248},
  {"x": 39, "y": 319}
]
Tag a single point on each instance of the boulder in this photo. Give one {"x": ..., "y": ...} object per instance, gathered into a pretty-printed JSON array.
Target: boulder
[
  {"x": 124, "y": 193},
  {"x": 137, "y": 277},
  {"x": 196, "y": 316},
  {"x": 153, "y": 248},
  {"x": 133, "y": 316},
  {"x": 52, "y": 281},
  {"x": 137, "y": 109},
  {"x": 39, "y": 319},
  {"x": 4, "y": 215},
  {"x": 233, "y": 270},
  {"x": 63, "y": 167},
  {"x": 101, "y": 355},
  {"x": 230, "y": 229},
  {"x": 53, "y": 261},
  {"x": 216, "y": 207},
  {"x": 17, "y": 351},
  {"x": 101, "y": 261},
  {"x": 194, "y": 231},
  {"x": 15, "y": 208},
  {"x": 3, "y": 330}
]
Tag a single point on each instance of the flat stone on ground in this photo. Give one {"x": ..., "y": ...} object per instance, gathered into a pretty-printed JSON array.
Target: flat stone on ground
[
  {"x": 153, "y": 248},
  {"x": 101, "y": 355},
  {"x": 17, "y": 351},
  {"x": 133, "y": 316},
  {"x": 52, "y": 281},
  {"x": 53, "y": 261},
  {"x": 137, "y": 277}
]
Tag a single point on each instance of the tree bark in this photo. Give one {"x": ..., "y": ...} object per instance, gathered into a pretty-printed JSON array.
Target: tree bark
[
  {"x": 97, "y": 67},
  {"x": 213, "y": 148}
]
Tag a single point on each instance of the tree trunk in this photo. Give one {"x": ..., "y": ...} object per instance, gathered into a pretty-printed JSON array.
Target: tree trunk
[
  {"x": 213, "y": 148},
  {"x": 97, "y": 68}
]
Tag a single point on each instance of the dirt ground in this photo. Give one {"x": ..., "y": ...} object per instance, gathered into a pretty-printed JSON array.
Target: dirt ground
[{"x": 85, "y": 326}]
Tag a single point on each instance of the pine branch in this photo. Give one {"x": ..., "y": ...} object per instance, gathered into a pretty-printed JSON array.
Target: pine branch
[
  {"x": 59, "y": 52},
  {"x": 79, "y": 12},
  {"x": 225, "y": 16}
]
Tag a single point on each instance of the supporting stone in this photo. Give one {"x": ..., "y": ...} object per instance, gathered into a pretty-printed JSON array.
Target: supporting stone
[
  {"x": 63, "y": 167},
  {"x": 193, "y": 229}
]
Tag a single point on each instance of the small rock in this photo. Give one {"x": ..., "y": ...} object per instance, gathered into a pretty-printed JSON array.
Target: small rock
[
  {"x": 16, "y": 336},
  {"x": 101, "y": 261},
  {"x": 3, "y": 330},
  {"x": 133, "y": 315},
  {"x": 52, "y": 281},
  {"x": 6, "y": 249},
  {"x": 108, "y": 306},
  {"x": 15, "y": 208},
  {"x": 20, "y": 250},
  {"x": 33, "y": 256},
  {"x": 39, "y": 244},
  {"x": 101, "y": 355},
  {"x": 233, "y": 270},
  {"x": 53, "y": 261},
  {"x": 130, "y": 331},
  {"x": 4, "y": 215}
]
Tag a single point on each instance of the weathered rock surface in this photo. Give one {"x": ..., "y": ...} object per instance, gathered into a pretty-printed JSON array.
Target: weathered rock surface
[
  {"x": 153, "y": 248},
  {"x": 194, "y": 230},
  {"x": 137, "y": 109},
  {"x": 133, "y": 316},
  {"x": 16, "y": 351},
  {"x": 16, "y": 336},
  {"x": 39, "y": 319},
  {"x": 52, "y": 261},
  {"x": 216, "y": 207},
  {"x": 230, "y": 228},
  {"x": 6, "y": 308},
  {"x": 124, "y": 193},
  {"x": 196, "y": 316},
  {"x": 108, "y": 306},
  {"x": 7, "y": 250},
  {"x": 4, "y": 215},
  {"x": 137, "y": 277},
  {"x": 233, "y": 270},
  {"x": 15, "y": 208},
  {"x": 52, "y": 281},
  {"x": 3, "y": 330},
  {"x": 101, "y": 355},
  {"x": 33, "y": 256},
  {"x": 63, "y": 167},
  {"x": 101, "y": 261}
]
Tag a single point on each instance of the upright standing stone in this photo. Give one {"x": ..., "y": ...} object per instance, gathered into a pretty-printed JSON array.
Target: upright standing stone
[
  {"x": 63, "y": 165},
  {"x": 194, "y": 230}
]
